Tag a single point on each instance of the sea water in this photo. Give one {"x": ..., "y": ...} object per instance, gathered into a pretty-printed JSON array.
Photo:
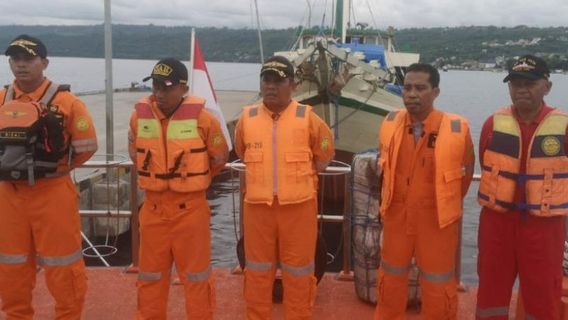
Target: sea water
[{"x": 473, "y": 94}]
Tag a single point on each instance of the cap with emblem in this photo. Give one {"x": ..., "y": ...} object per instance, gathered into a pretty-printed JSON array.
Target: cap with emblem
[
  {"x": 278, "y": 65},
  {"x": 28, "y": 45},
  {"x": 170, "y": 71},
  {"x": 528, "y": 67}
]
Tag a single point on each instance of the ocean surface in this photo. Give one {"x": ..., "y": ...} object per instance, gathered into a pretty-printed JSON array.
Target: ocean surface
[{"x": 473, "y": 94}]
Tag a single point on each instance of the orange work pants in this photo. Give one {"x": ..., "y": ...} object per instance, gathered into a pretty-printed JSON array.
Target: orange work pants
[
  {"x": 284, "y": 234},
  {"x": 41, "y": 225},
  {"x": 415, "y": 232},
  {"x": 175, "y": 232}
]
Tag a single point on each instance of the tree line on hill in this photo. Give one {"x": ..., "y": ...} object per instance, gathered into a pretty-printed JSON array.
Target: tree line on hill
[{"x": 453, "y": 45}]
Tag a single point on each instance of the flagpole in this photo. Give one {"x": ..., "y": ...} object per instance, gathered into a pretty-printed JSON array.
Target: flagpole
[{"x": 191, "y": 59}]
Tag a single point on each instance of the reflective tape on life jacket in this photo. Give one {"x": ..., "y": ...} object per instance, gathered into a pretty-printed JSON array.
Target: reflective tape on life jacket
[
  {"x": 278, "y": 156},
  {"x": 182, "y": 164},
  {"x": 492, "y": 312},
  {"x": 546, "y": 179},
  {"x": 448, "y": 154}
]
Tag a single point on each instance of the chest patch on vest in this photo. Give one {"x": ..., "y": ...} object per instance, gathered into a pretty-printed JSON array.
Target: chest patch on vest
[{"x": 550, "y": 146}]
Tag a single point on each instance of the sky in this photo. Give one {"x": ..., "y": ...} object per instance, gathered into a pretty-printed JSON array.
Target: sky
[{"x": 278, "y": 14}]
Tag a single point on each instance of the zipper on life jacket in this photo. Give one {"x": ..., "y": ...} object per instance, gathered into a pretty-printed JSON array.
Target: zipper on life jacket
[{"x": 275, "y": 117}]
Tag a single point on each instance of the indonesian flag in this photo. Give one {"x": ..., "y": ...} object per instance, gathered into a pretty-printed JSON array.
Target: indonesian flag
[{"x": 202, "y": 87}]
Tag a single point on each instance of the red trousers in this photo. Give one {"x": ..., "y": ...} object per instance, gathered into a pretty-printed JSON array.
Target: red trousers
[
  {"x": 512, "y": 244},
  {"x": 175, "y": 232},
  {"x": 40, "y": 225}
]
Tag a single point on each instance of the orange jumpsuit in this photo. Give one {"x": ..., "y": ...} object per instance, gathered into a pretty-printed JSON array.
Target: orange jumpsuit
[
  {"x": 283, "y": 154},
  {"x": 174, "y": 226},
  {"x": 41, "y": 224},
  {"x": 423, "y": 187}
]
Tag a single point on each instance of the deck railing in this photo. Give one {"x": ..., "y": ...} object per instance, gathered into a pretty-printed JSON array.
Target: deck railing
[{"x": 337, "y": 168}]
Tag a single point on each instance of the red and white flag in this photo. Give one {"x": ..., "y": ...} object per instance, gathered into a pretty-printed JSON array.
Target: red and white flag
[{"x": 201, "y": 86}]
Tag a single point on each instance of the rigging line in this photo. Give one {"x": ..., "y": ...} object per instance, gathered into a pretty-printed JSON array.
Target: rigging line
[
  {"x": 349, "y": 115},
  {"x": 375, "y": 24}
]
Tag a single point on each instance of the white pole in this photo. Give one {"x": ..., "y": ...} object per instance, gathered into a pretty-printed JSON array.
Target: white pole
[
  {"x": 259, "y": 33},
  {"x": 108, "y": 82},
  {"x": 191, "y": 58}
]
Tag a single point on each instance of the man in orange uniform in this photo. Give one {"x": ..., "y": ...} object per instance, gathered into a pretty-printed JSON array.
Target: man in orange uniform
[
  {"x": 283, "y": 144},
  {"x": 524, "y": 194},
  {"x": 40, "y": 215},
  {"x": 426, "y": 158},
  {"x": 177, "y": 147}
]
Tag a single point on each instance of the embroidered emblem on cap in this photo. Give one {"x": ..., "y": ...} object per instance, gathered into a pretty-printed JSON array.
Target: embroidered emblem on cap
[
  {"x": 162, "y": 70},
  {"x": 524, "y": 66},
  {"x": 550, "y": 146},
  {"x": 25, "y": 44}
]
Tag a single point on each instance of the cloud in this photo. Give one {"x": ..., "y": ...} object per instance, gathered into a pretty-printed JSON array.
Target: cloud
[{"x": 290, "y": 13}]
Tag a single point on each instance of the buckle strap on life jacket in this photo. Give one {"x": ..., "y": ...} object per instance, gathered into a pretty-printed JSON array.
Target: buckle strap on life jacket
[
  {"x": 521, "y": 206},
  {"x": 524, "y": 177},
  {"x": 47, "y": 96}
]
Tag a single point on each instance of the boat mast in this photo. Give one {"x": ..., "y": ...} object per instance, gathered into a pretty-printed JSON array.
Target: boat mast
[
  {"x": 108, "y": 82},
  {"x": 341, "y": 18},
  {"x": 259, "y": 33}
]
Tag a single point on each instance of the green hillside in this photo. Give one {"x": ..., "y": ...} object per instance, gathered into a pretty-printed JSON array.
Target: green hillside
[{"x": 441, "y": 45}]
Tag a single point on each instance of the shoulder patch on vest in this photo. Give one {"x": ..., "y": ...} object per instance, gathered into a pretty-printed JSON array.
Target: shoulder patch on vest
[
  {"x": 253, "y": 112},
  {"x": 391, "y": 115},
  {"x": 300, "y": 111},
  {"x": 456, "y": 126},
  {"x": 64, "y": 87}
]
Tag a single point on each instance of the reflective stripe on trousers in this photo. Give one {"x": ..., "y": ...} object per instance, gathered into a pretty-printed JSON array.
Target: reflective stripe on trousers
[
  {"x": 58, "y": 261},
  {"x": 491, "y": 312},
  {"x": 198, "y": 276}
]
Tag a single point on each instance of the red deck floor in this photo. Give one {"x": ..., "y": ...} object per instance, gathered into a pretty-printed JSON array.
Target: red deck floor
[{"x": 112, "y": 295}]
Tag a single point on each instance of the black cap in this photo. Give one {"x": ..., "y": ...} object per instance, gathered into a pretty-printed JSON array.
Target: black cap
[
  {"x": 170, "y": 71},
  {"x": 26, "y": 44},
  {"x": 278, "y": 65},
  {"x": 528, "y": 67}
]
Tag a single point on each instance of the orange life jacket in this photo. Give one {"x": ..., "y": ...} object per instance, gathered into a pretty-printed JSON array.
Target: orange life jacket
[
  {"x": 546, "y": 178},
  {"x": 179, "y": 162},
  {"x": 448, "y": 156},
  {"x": 278, "y": 157}
]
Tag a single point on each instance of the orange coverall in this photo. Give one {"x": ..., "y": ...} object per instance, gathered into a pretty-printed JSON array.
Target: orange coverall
[
  {"x": 276, "y": 233},
  {"x": 41, "y": 224},
  {"x": 411, "y": 227},
  {"x": 174, "y": 227}
]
